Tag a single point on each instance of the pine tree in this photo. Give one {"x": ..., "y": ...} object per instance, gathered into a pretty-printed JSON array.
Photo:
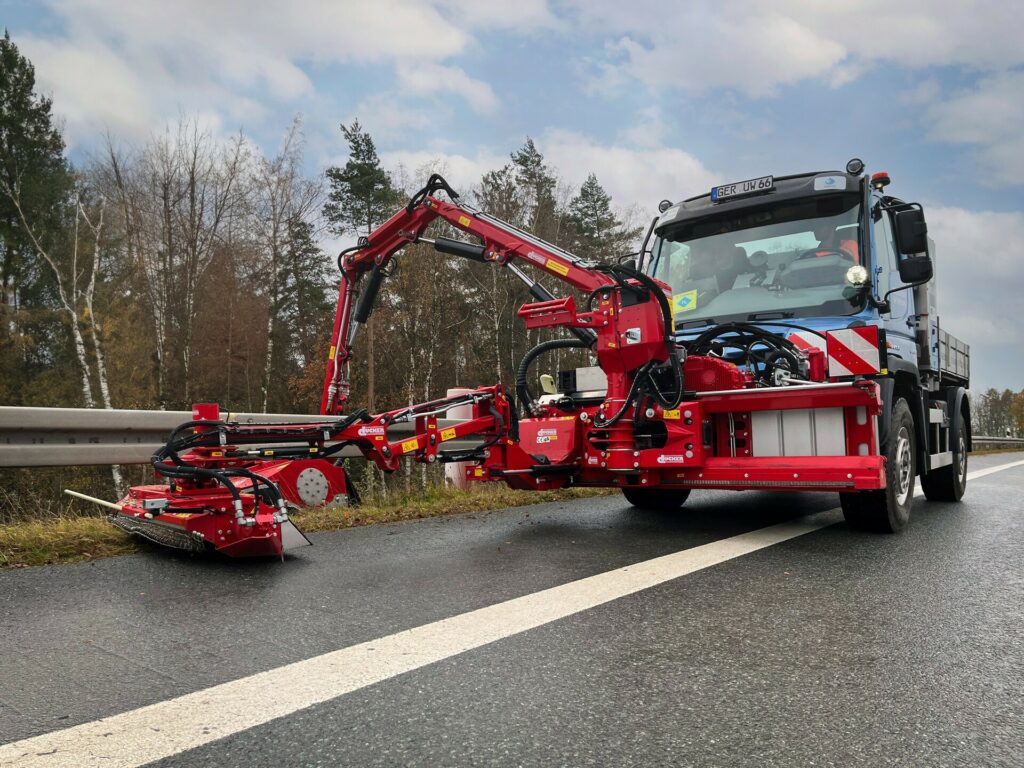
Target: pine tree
[
  {"x": 33, "y": 170},
  {"x": 537, "y": 186},
  {"x": 597, "y": 233},
  {"x": 362, "y": 195},
  {"x": 361, "y": 198}
]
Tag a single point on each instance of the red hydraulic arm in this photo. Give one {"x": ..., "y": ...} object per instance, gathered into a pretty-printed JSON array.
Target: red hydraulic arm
[{"x": 502, "y": 244}]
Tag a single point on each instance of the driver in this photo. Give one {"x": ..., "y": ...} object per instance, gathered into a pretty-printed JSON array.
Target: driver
[{"x": 830, "y": 241}]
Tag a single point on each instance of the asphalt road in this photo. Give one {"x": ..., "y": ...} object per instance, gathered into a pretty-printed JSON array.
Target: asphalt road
[{"x": 829, "y": 648}]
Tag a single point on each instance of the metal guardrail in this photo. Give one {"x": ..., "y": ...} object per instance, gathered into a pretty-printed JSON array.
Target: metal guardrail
[
  {"x": 988, "y": 440},
  {"x": 65, "y": 437}
]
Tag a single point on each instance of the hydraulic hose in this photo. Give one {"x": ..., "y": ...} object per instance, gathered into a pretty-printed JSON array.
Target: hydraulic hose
[
  {"x": 522, "y": 390},
  {"x": 641, "y": 374}
]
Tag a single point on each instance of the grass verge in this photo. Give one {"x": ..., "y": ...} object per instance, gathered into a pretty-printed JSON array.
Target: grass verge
[{"x": 74, "y": 539}]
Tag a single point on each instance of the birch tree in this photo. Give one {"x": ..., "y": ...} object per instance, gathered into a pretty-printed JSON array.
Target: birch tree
[
  {"x": 282, "y": 199},
  {"x": 177, "y": 200}
]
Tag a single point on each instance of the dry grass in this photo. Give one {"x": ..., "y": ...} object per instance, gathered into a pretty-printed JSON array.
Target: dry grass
[
  {"x": 435, "y": 501},
  {"x": 61, "y": 540},
  {"x": 71, "y": 539}
]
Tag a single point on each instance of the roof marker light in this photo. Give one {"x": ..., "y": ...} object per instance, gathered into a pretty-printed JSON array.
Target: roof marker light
[{"x": 880, "y": 180}]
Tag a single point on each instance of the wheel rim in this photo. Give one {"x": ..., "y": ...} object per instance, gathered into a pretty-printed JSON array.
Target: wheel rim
[
  {"x": 961, "y": 459},
  {"x": 904, "y": 466}
]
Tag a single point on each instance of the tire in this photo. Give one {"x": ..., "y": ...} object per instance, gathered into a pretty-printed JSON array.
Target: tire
[
  {"x": 888, "y": 510},
  {"x": 663, "y": 499},
  {"x": 949, "y": 483}
]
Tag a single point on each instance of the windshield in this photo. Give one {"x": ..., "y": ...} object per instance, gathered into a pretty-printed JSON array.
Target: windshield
[{"x": 786, "y": 260}]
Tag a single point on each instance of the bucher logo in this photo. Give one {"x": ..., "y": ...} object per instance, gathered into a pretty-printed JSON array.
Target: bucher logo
[{"x": 668, "y": 459}]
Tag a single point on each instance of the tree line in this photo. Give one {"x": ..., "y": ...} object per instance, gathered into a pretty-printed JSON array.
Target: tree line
[
  {"x": 189, "y": 268},
  {"x": 998, "y": 413}
]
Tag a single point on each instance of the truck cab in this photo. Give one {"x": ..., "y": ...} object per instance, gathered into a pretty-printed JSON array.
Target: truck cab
[{"x": 808, "y": 254}]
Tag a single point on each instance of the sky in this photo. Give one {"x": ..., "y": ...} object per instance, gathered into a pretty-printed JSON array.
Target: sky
[{"x": 660, "y": 99}]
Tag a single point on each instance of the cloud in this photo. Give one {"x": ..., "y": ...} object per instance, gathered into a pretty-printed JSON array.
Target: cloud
[
  {"x": 756, "y": 47},
  {"x": 641, "y": 175},
  {"x": 424, "y": 79},
  {"x": 386, "y": 118},
  {"x": 524, "y": 14},
  {"x": 631, "y": 174},
  {"x": 979, "y": 282},
  {"x": 987, "y": 116},
  {"x": 87, "y": 80},
  {"x": 462, "y": 171},
  {"x": 130, "y": 64}
]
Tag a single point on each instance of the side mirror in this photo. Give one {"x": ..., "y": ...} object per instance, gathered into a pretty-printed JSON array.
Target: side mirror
[{"x": 915, "y": 264}]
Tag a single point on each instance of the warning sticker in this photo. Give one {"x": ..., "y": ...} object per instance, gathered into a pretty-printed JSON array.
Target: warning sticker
[
  {"x": 410, "y": 445},
  {"x": 447, "y": 434},
  {"x": 464, "y": 221},
  {"x": 684, "y": 302},
  {"x": 554, "y": 266}
]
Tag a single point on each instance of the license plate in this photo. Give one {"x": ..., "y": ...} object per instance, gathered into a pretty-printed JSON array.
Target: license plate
[{"x": 748, "y": 187}]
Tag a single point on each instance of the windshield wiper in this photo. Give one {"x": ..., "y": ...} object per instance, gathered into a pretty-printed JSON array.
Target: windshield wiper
[
  {"x": 774, "y": 314},
  {"x": 696, "y": 323}
]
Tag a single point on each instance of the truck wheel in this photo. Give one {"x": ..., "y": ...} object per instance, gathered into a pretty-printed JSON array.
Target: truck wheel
[
  {"x": 888, "y": 510},
  {"x": 949, "y": 483},
  {"x": 665, "y": 499}
]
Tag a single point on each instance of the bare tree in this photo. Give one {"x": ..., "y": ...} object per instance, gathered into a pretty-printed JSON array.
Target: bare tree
[
  {"x": 280, "y": 196},
  {"x": 176, "y": 198},
  {"x": 76, "y": 299}
]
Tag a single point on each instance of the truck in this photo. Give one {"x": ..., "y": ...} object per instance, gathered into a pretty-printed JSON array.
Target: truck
[
  {"x": 805, "y": 254},
  {"x": 777, "y": 333}
]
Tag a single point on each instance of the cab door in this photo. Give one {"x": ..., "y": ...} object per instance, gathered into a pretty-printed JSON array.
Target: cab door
[{"x": 895, "y": 322}]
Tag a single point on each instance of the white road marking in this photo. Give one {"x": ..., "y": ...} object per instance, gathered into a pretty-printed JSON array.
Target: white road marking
[
  {"x": 167, "y": 728},
  {"x": 992, "y": 470}
]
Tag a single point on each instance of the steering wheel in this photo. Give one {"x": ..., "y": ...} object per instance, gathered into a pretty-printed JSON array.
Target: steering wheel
[{"x": 814, "y": 253}]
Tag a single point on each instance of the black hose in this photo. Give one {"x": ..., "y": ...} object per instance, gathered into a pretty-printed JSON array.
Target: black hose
[
  {"x": 434, "y": 184},
  {"x": 641, "y": 374},
  {"x": 670, "y": 343},
  {"x": 346, "y": 252},
  {"x": 522, "y": 390}
]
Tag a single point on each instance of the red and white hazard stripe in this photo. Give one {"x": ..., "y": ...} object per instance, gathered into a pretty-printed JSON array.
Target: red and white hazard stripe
[
  {"x": 805, "y": 340},
  {"x": 853, "y": 351}
]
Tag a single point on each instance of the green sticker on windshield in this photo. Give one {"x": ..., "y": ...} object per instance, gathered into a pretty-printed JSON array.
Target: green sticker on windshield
[{"x": 684, "y": 302}]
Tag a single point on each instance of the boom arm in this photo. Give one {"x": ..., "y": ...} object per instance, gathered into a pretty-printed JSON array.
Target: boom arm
[{"x": 502, "y": 244}]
